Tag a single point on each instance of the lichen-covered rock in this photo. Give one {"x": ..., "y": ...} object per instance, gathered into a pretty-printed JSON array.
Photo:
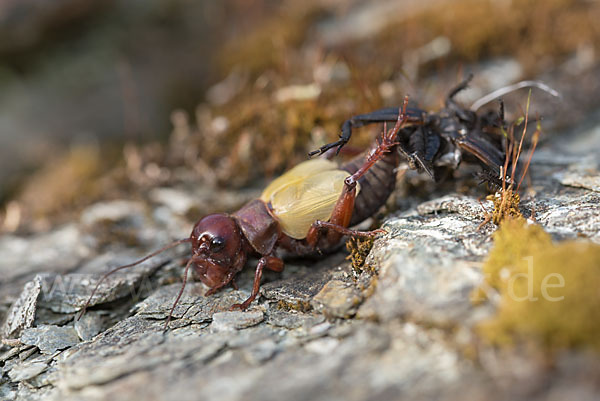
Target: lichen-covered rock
[{"x": 428, "y": 265}]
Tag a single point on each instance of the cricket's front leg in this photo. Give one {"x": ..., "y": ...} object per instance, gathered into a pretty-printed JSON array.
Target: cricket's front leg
[{"x": 270, "y": 262}]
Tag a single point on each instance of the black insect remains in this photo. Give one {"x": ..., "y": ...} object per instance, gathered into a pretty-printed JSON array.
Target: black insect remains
[{"x": 438, "y": 142}]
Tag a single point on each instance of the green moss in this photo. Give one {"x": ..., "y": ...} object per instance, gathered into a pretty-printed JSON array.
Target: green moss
[{"x": 549, "y": 292}]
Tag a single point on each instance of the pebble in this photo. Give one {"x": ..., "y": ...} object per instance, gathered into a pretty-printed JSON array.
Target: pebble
[
  {"x": 88, "y": 325},
  {"x": 49, "y": 339},
  {"x": 337, "y": 299},
  {"x": 236, "y": 320}
]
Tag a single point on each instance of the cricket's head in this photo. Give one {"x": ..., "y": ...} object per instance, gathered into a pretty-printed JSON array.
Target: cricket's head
[{"x": 218, "y": 249}]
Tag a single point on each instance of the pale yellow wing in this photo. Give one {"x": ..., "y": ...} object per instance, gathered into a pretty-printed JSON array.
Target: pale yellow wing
[
  {"x": 299, "y": 204},
  {"x": 297, "y": 174}
]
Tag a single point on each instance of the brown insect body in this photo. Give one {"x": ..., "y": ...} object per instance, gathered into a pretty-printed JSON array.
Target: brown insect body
[
  {"x": 256, "y": 230},
  {"x": 376, "y": 185}
]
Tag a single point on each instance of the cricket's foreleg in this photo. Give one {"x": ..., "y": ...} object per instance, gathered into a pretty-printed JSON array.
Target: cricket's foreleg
[{"x": 270, "y": 262}]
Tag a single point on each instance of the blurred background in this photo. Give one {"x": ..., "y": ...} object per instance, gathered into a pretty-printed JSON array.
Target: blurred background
[{"x": 104, "y": 99}]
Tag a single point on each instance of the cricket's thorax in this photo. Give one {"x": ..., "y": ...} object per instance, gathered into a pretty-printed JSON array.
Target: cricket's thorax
[
  {"x": 304, "y": 194},
  {"x": 258, "y": 226}
]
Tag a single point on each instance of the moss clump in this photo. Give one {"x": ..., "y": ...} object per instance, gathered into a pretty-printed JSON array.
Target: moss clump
[
  {"x": 299, "y": 306},
  {"x": 359, "y": 249},
  {"x": 549, "y": 292},
  {"x": 506, "y": 205}
]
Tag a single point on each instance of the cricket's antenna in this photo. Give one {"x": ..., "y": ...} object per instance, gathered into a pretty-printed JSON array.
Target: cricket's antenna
[
  {"x": 511, "y": 88},
  {"x": 185, "y": 274},
  {"x": 171, "y": 245}
]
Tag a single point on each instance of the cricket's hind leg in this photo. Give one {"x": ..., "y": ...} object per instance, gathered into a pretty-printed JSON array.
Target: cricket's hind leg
[{"x": 337, "y": 226}]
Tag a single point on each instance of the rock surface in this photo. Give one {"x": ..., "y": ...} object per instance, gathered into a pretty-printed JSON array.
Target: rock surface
[{"x": 317, "y": 332}]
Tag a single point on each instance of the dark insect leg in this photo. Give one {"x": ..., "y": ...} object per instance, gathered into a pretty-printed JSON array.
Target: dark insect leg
[
  {"x": 458, "y": 88},
  {"x": 432, "y": 144},
  {"x": 417, "y": 158},
  {"x": 270, "y": 262},
  {"x": 416, "y": 144},
  {"x": 347, "y": 150},
  {"x": 419, "y": 146},
  {"x": 501, "y": 115},
  {"x": 461, "y": 112},
  {"x": 413, "y": 115},
  {"x": 483, "y": 150},
  {"x": 494, "y": 181}
]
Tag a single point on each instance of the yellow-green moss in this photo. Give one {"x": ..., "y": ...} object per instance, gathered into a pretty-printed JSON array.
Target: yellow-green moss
[
  {"x": 299, "y": 306},
  {"x": 506, "y": 205},
  {"x": 359, "y": 249},
  {"x": 549, "y": 292}
]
